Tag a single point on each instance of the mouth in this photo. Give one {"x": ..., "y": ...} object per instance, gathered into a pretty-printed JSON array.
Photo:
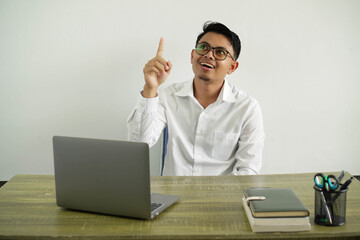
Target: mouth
[{"x": 207, "y": 65}]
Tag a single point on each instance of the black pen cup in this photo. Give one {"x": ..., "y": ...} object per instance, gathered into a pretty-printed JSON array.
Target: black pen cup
[{"x": 330, "y": 207}]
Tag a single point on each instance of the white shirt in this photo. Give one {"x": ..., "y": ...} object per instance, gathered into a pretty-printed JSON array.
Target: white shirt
[{"x": 225, "y": 138}]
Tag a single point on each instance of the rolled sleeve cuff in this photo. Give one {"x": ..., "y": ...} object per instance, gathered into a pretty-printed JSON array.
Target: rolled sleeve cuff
[{"x": 147, "y": 105}]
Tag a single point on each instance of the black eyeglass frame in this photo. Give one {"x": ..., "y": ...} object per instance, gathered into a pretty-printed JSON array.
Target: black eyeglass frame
[{"x": 213, "y": 49}]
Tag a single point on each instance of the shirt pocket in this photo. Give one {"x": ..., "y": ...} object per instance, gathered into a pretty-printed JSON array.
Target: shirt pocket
[{"x": 223, "y": 145}]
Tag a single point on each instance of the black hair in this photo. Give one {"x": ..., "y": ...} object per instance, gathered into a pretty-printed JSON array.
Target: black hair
[{"x": 222, "y": 29}]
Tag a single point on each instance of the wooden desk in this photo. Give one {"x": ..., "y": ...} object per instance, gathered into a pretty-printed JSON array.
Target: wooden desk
[{"x": 209, "y": 208}]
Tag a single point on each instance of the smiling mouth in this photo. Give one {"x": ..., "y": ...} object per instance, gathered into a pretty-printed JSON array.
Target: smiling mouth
[{"x": 207, "y": 65}]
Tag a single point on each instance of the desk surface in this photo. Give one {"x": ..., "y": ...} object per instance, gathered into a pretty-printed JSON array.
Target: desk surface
[{"x": 209, "y": 208}]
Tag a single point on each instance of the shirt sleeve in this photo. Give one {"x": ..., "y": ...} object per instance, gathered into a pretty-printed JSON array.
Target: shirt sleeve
[
  {"x": 251, "y": 144},
  {"x": 147, "y": 120}
]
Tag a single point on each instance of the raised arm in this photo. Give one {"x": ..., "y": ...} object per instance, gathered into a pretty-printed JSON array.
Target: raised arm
[{"x": 156, "y": 72}]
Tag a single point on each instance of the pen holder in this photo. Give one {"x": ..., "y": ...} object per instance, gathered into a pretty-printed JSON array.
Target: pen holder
[{"x": 330, "y": 207}]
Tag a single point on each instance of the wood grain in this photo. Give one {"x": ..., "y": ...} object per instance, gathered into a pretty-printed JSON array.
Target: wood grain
[{"x": 209, "y": 208}]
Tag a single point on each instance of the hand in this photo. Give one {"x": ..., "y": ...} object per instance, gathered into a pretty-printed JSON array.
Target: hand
[{"x": 156, "y": 72}]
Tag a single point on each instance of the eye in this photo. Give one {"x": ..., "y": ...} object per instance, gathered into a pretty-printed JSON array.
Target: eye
[
  {"x": 220, "y": 52},
  {"x": 202, "y": 48}
]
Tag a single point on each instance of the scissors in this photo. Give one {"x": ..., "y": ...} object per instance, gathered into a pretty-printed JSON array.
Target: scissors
[{"x": 326, "y": 182}]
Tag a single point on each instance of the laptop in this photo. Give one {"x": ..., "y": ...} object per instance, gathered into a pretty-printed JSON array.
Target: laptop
[{"x": 106, "y": 176}]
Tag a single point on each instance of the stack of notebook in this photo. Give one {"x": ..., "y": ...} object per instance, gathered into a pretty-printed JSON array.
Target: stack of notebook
[{"x": 275, "y": 210}]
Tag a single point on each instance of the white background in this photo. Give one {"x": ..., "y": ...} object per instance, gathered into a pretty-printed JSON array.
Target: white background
[{"x": 74, "y": 67}]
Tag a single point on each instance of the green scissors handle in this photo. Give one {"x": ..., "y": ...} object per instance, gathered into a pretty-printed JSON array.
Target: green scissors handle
[{"x": 326, "y": 182}]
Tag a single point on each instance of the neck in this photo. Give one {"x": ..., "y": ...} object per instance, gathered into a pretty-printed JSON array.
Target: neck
[{"x": 207, "y": 92}]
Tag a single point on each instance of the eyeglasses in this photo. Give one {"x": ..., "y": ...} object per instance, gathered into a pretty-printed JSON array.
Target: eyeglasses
[{"x": 219, "y": 53}]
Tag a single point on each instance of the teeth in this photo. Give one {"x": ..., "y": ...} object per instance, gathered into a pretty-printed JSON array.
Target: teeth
[{"x": 207, "y": 65}]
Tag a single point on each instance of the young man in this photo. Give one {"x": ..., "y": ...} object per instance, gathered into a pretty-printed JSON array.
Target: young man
[{"x": 214, "y": 129}]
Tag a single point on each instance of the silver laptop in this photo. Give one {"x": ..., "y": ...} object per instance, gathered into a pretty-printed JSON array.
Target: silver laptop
[{"x": 106, "y": 176}]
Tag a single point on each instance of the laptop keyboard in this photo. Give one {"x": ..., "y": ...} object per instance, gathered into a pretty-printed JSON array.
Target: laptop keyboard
[{"x": 155, "y": 206}]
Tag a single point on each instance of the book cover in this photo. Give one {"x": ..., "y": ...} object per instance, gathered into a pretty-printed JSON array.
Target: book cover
[{"x": 279, "y": 202}]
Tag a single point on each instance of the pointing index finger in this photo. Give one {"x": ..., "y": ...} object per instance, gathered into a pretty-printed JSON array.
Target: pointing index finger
[{"x": 160, "y": 48}]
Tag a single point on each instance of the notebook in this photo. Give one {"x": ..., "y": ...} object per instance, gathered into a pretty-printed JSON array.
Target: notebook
[
  {"x": 106, "y": 176},
  {"x": 276, "y": 224},
  {"x": 278, "y": 202}
]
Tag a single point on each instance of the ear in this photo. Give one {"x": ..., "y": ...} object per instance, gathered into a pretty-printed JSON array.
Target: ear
[
  {"x": 234, "y": 65},
  {"x": 192, "y": 56}
]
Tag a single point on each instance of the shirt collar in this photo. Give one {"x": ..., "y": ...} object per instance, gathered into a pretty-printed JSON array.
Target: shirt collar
[
  {"x": 226, "y": 93},
  {"x": 186, "y": 90}
]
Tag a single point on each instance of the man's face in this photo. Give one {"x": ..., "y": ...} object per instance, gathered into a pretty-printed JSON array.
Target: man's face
[{"x": 206, "y": 67}]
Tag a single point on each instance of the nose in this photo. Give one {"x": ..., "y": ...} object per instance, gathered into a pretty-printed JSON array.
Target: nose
[{"x": 210, "y": 54}]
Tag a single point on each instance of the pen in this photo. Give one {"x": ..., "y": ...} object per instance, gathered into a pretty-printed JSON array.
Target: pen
[
  {"x": 346, "y": 184},
  {"x": 341, "y": 176},
  {"x": 343, "y": 187}
]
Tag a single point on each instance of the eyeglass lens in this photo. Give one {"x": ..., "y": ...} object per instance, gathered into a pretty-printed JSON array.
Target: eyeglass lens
[{"x": 203, "y": 48}]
